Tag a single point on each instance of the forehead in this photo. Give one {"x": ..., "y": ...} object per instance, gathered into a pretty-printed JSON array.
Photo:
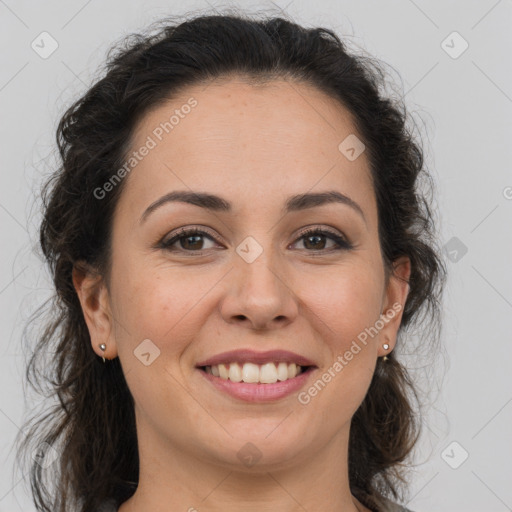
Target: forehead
[{"x": 248, "y": 141}]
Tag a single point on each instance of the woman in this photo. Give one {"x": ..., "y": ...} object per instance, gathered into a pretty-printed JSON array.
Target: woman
[{"x": 238, "y": 242}]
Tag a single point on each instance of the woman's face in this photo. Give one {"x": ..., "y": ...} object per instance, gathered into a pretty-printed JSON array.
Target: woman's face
[{"x": 249, "y": 280}]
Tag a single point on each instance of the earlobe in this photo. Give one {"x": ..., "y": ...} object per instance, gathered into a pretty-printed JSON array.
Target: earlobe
[{"x": 94, "y": 299}]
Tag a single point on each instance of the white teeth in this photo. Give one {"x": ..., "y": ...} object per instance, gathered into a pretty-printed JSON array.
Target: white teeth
[
  {"x": 223, "y": 372},
  {"x": 250, "y": 372},
  {"x": 293, "y": 369},
  {"x": 235, "y": 373},
  {"x": 267, "y": 373},
  {"x": 282, "y": 371}
]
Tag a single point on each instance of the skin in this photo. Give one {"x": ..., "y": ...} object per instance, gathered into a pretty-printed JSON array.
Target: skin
[{"x": 254, "y": 146}]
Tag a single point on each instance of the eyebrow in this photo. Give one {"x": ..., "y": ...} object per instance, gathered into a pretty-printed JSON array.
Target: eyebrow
[{"x": 218, "y": 204}]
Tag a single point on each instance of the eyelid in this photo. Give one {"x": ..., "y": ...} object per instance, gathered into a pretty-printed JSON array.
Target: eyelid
[
  {"x": 188, "y": 231},
  {"x": 319, "y": 227}
]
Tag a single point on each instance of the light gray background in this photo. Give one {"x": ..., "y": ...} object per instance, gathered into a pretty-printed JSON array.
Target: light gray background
[{"x": 464, "y": 106}]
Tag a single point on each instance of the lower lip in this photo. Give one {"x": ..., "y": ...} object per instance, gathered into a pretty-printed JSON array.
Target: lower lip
[{"x": 258, "y": 392}]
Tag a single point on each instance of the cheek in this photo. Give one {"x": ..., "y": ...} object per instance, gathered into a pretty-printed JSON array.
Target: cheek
[
  {"x": 161, "y": 305},
  {"x": 346, "y": 302},
  {"x": 345, "y": 306}
]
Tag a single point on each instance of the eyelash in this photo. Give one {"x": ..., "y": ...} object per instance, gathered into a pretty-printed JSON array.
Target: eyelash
[{"x": 341, "y": 243}]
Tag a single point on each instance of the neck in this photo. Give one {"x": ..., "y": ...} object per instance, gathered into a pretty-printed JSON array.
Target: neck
[{"x": 316, "y": 480}]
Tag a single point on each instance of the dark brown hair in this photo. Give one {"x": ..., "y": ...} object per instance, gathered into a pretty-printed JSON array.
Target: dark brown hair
[{"x": 91, "y": 425}]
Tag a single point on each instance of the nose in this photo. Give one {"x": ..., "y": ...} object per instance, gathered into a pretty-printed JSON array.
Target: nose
[{"x": 259, "y": 296}]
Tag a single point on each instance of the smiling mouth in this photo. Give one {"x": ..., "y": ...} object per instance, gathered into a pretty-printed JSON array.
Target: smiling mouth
[{"x": 251, "y": 373}]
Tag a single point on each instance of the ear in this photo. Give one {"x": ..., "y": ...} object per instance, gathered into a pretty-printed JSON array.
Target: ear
[
  {"x": 394, "y": 299},
  {"x": 94, "y": 299}
]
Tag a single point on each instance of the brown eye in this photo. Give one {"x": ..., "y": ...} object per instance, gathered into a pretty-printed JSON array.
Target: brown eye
[
  {"x": 316, "y": 240},
  {"x": 191, "y": 242},
  {"x": 187, "y": 240}
]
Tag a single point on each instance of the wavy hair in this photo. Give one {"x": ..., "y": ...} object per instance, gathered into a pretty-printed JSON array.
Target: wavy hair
[{"x": 86, "y": 441}]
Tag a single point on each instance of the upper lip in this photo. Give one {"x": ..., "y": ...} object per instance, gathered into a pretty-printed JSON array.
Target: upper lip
[{"x": 251, "y": 356}]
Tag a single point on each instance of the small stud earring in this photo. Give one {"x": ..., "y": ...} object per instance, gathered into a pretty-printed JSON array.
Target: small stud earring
[
  {"x": 385, "y": 347},
  {"x": 103, "y": 347}
]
